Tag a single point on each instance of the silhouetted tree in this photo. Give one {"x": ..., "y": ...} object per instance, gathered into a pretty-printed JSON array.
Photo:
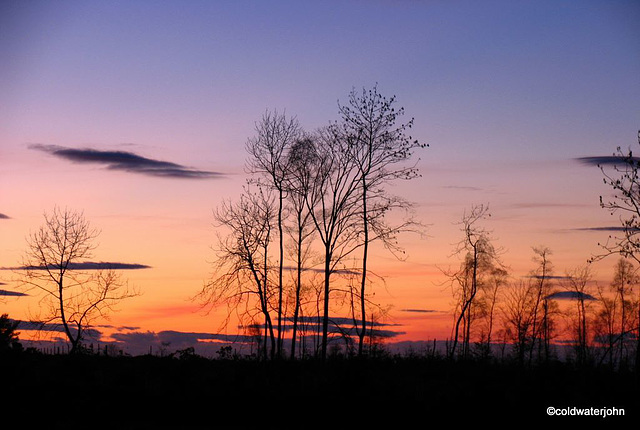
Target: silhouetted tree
[
  {"x": 480, "y": 258},
  {"x": 616, "y": 319},
  {"x": 242, "y": 266},
  {"x": 516, "y": 310},
  {"x": 333, "y": 204},
  {"x": 51, "y": 265},
  {"x": 8, "y": 334},
  {"x": 625, "y": 183},
  {"x": 541, "y": 288},
  {"x": 492, "y": 291},
  {"x": 275, "y": 134},
  {"x": 380, "y": 149},
  {"x": 298, "y": 182},
  {"x": 577, "y": 284}
]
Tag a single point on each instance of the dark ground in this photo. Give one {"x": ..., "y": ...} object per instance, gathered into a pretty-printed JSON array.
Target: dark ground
[{"x": 89, "y": 391}]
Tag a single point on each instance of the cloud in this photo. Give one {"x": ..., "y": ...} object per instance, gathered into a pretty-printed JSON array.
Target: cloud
[
  {"x": 459, "y": 187},
  {"x": 603, "y": 160},
  {"x": 548, "y": 277},
  {"x": 87, "y": 265},
  {"x": 11, "y": 293},
  {"x": 317, "y": 270},
  {"x": 56, "y": 328},
  {"x": 570, "y": 295},
  {"x": 549, "y": 205},
  {"x": 3, "y": 216},
  {"x": 176, "y": 338},
  {"x": 339, "y": 325},
  {"x": 419, "y": 311},
  {"x": 614, "y": 228},
  {"x": 126, "y": 161},
  {"x": 127, "y": 327}
]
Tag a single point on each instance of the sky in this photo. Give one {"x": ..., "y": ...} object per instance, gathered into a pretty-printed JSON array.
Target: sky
[{"x": 509, "y": 96}]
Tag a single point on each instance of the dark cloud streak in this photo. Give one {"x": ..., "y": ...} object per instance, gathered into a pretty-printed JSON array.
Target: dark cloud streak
[
  {"x": 570, "y": 295},
  {"x": 126, "y": 161},
  {"x": 7, "y": 293},
  {"x": 614, "y": 228},
  {"x": 87, "y": 265},
  {"x": 604, "y": 160}
]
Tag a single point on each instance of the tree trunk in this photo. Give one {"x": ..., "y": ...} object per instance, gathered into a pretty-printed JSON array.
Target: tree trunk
[{"x": 364, "y": 268}]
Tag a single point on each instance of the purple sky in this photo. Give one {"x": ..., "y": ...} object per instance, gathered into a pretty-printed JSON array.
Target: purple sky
[{"x": 508, "y": 94}]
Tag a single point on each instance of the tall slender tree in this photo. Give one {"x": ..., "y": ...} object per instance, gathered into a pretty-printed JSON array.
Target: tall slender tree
[
  {"x": 380, "y": 149},
  {"x": 333, "y": 204},
  {"x": 480, "y": 258},
  {"x": 275, "y": 134}
]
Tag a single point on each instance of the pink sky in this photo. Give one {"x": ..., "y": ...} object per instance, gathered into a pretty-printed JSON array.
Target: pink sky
[{"x": 508, "y": 95}]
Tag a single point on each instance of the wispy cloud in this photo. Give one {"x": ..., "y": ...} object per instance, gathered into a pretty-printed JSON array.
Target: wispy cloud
[
  {"x": 126, "y": 161},
  {"x": 176, "y": 338},
  {"x": 86, "y": 265},
  {"x": 420, "y": 311},
  {"x": 7, "y": 293},
  {"x": 570, "y": 295},
  {"x": 340, "y": 325},
  {"x": 612, "y": 228},
  {"x": 461, "y": 187},
  {"x": 604, "y": 160},
  {"x": 3, "y": 216},
  {"x": 558, "y": 277},
  {"x": 56, "y": 328},
  {"x": 548, "y": 205}
]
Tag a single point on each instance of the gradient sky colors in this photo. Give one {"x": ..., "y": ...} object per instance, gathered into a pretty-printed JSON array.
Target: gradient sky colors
[{"x": 137, "y": 113}]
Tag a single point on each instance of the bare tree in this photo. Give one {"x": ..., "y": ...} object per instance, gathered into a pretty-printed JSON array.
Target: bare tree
[
  {"x": 577, "y": 284},
  {"x": 625, "y": 183},
  {"x": 479, "y": 259},
  {"x": 333, "y": 204},
  {"x": 241, "y": 279},
  {"x": 380, "y": 149},
  {"x": 516, "y": 309},
  {"x": 298, "y": 182},
  {"x": 617, "y": 316},
  {"x": 541, "y": 286},
  {"x": 492, "y": 291},
  {"x": 275, "y": 134},
  {"x": 53, "y": 265}
]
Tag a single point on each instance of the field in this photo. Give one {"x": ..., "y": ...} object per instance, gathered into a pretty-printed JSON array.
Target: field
[{"x": 90, "y": 391}]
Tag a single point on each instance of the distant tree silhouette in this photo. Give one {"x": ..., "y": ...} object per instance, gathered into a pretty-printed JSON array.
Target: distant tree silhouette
[
  {"x": 480, "y": 259},
  {"x": 616, "y": 320},
  {"x": 8, "y": 334},
  {"x": 71, "y": 297},
  {"x": 487, "y": 304},
  {"x": 541, "y": 288},
  {"x": 577, "y": 283},
  {"x": 516, "y": 308}
]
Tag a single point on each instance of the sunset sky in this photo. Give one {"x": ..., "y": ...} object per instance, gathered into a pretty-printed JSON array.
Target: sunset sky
[{"x": 509, "y": 95}]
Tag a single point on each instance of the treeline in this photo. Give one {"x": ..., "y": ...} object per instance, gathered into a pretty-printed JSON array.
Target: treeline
[{"x": 531, "y": 314}]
